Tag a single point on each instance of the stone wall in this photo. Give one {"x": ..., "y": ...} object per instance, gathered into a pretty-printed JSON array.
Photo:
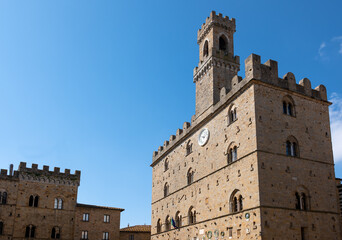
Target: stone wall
[
  {"x": 136, "y": 235},
  {"x": 214, "y": 179},
  {"x": 96, "y": 225},
  {"x": 264, "y": 174},
  {"x": 16, "y": 214}
]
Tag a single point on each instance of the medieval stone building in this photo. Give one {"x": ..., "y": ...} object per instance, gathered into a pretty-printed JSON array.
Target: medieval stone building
[
  {"x": 42, "y": 204},
  {"x": 256, "y": 160},
  {"x": 137, "y": 232}
]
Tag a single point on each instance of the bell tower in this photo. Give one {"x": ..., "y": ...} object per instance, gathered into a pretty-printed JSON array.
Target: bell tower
[{"x": 217, "y": 63}]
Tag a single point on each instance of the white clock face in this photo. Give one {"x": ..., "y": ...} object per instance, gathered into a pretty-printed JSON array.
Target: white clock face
[{"x": 203, "y": 137}]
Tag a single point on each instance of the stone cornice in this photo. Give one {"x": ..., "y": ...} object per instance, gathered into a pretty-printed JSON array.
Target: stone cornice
[
  {"x": 215, "y": 62},
  {"x": 58, "y": 180}
]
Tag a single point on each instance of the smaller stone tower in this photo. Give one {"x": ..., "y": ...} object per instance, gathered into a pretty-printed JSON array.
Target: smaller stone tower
[{"x": 217, "y": 63}]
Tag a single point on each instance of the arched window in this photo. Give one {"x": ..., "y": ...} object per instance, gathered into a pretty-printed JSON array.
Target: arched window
[
  {"x": 159, "y": 226},
  {"x": 288, "y": 106},
  {"x": 236, "y": 202},
  {"x": 30, "y": 231},
  {"x": 3, "y": 197},
  {"x": 58, "y": 203},
  {"x": 302, "y": 198},
  {"x": 167, "y": 223},
  {"x": 205, "y": 49},
  {"x": 232, "y": 116},
  {"x": 232, "y": 153},
  {"x": 166, "y": 165},
  {"x": 55, "y": 233},
  {"x": 166, "y": 189},
  {"x": 1, "y": 228},
  {"x": 292, "y": 147},
  {"x": 192, "y": 215},
  {"x": 222, "y": 43},
  {"x": 178, "y": 220},
  {"x": 33, "y": 201},
  {"x": 188, "y": 148},
  {"x": 190, "y": 176}
]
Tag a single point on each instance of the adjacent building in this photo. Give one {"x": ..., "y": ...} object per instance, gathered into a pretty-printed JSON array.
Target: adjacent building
[
  {"x": 137, "y": 232},
  {"x": 256, "y": 160},
  {"x": 42, "y": 204}
]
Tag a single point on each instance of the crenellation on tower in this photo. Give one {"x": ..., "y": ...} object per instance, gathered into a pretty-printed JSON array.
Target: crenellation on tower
[
  {"x": 217, "y": 63},
  {"x": 4, "y": 174},
  {"x": 211, "y": 179},
  {"x": 254, "y": 71},
  {"x": 268, "y": 73},
  {"x": 217, "y": 20},
  {"x": 186, "y": 125}
]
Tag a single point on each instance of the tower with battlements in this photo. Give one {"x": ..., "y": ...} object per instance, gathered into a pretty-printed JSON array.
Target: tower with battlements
[
  {"x": 255, "y": 162},
  {"x": 217, "y": 62}
]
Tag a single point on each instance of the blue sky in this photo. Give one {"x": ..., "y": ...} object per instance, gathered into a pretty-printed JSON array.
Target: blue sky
[{"x": 99, "y": 85}]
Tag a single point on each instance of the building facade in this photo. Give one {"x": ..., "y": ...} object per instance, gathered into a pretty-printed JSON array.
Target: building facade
[
  {"x": 256, "y": 160},
  {"x": 42, "y": 204},
  {"x": 137, "y": 232}
]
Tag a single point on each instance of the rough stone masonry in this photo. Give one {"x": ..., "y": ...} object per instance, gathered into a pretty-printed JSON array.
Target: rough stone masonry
[{"x": 256, "y": 160}]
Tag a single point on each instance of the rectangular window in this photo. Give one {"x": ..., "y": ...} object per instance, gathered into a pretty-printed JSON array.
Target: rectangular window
[
  {"x": 106, "y": 218},
  {"x": 230, "y": 233},
  {"x": 1, "y": 228},
  {"x": 238, "y": 233},
  {"x": 105, "y": 236},
  {"x": 85, "y": 217},
  {"x": 131, "y": 237},
  {"x": 84, "y": 235}
]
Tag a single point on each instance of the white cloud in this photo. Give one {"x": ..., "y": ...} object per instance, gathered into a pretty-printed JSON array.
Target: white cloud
[
  {"x": 320, "y": 50},
  {"x": 327, "y": 50},
  {"x": 338, "y": 39},
  {"x": 336, "y": 126}
]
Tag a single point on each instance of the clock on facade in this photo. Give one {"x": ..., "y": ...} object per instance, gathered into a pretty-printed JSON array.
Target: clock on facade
[{"x": 203, "y": 137}]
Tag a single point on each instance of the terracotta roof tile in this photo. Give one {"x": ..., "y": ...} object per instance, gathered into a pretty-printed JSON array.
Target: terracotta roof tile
[{"x": 137, "y": 228}]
